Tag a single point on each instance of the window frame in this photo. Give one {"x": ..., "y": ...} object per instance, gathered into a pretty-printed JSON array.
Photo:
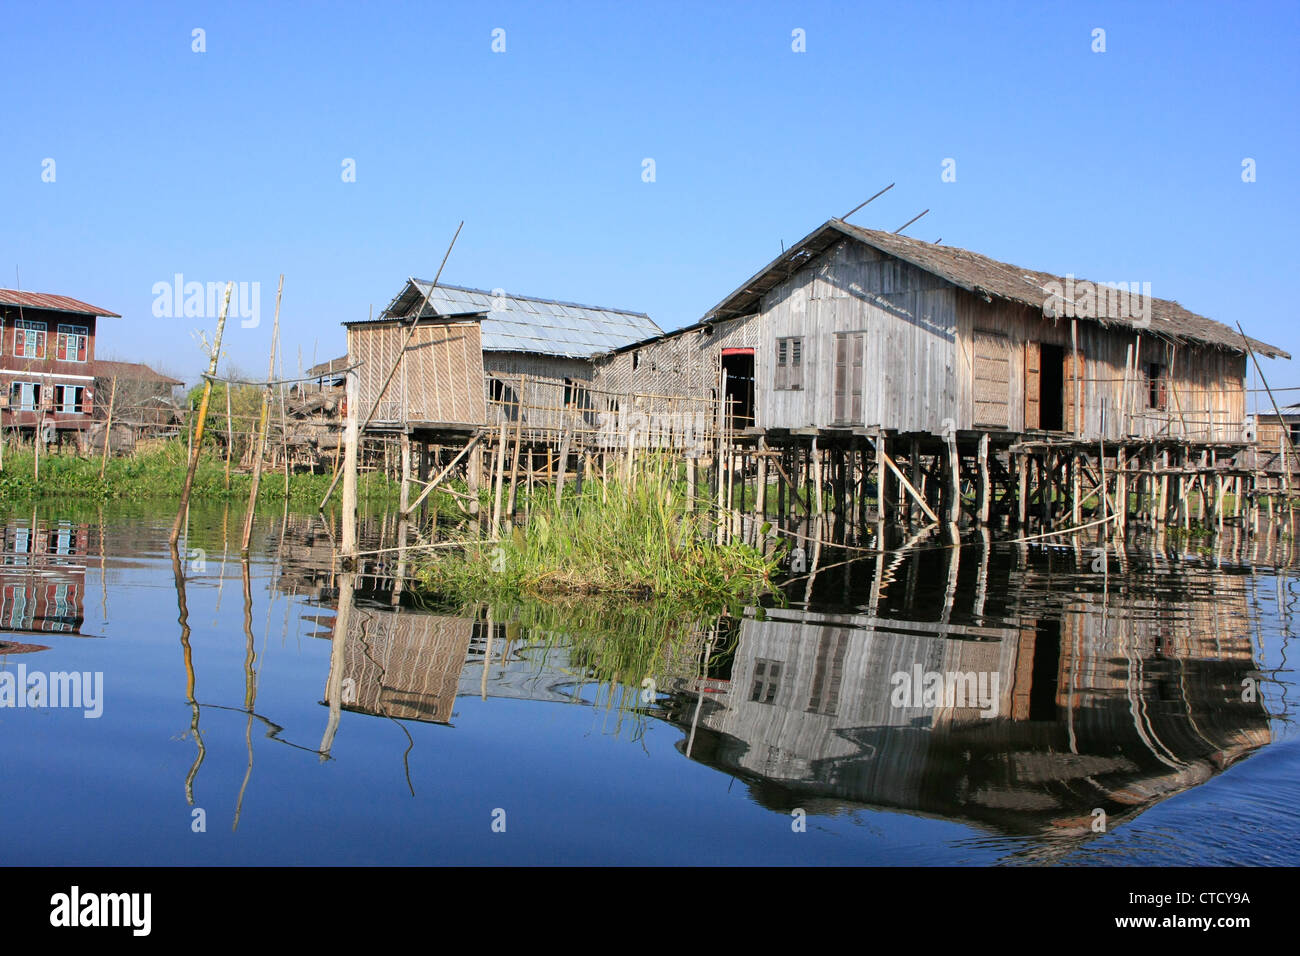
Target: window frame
[
  {"x": 16, "y": 403},
  {"x": 61, "y": 399},
  {"x": 69, "y": 331},
  {"x": 1157, "y": 375},
  {"x": 40, "y": 329},
  {"x": 789, "y": 363}
]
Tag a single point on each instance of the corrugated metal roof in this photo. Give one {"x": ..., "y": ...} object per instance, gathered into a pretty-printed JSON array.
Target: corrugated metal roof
[
  {"x": 983, "y": 276},
  {"x": 55, "y": 303},
  {"x": 518, "y": 323}
]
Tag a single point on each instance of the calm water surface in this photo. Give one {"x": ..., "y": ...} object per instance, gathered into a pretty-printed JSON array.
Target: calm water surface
[{"x": 1134, "y": 708}]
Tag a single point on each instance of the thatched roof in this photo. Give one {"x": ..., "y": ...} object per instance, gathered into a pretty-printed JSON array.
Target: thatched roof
[{"x": 989, "y": 279}]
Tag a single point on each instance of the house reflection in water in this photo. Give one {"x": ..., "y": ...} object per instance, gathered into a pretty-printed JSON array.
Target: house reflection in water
[
  {"x": 43, "y": 577},
  {"x": 1102, "y": 697},
  {"x": 404, "y": 665},
  {"x": 1096, "y": 708}
]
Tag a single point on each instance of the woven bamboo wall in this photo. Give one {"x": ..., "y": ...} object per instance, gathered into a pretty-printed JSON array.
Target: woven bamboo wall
[{"x": 440, "y": 379}]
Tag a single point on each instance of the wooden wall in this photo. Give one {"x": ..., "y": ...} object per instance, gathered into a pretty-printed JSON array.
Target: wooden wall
[
  {"x": 1204, "y": 393},
  {"x": 680, "y": 363},
  {"x": 935, "y": 353},
  {"x": 441, "y": 378},
  {"x": 908, "y": 317}
]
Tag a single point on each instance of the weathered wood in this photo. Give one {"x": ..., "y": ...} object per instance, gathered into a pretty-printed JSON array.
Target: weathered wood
[{"x": 197, "y": 433}]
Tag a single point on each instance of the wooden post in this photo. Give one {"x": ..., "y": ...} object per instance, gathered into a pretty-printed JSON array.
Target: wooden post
[
  {"x": 502, "y": 442},
  {"x": 882, "y": 485},
  {"x": 108, "y": 428},
  {"x": 197, "y": 446},
  {"x": 230, "y": 436},
  {"x": 954, "y": 483},
  {"x": 817, "y": 477},
  {"x": 1076, "y": 488},
  {"x": 1022, "y": 488},
  {"x": 348, "y": 539},
  {"x": 985, "y": 490},
  {"x": 1078, "y": 382},
  {"x": 260, "y": 441},
  {"x": 563, "y": 466},
  {"x": 404, "y": 492}
]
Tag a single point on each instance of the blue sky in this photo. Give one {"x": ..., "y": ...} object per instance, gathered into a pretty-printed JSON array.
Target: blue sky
[{"x": 228, "y": 164}]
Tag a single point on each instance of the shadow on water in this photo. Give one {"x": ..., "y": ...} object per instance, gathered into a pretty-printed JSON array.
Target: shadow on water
[{"x": 1041, "y": 695}]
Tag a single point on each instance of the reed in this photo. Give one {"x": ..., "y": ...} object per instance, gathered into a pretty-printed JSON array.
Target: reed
[{"x": 641, "y": 540}]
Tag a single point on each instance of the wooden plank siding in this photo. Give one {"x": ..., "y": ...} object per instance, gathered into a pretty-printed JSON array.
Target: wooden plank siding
[
  {"x": 554, "y": 389},
  {"x": 934, "y": 352},
  {"x": 908, "y": 323}
]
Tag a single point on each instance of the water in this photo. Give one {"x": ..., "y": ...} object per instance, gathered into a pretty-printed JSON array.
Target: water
[{"x": 1107, "y": 720}]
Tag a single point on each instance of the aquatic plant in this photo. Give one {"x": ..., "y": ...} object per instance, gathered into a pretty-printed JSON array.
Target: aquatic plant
[{"x": 637, "y": 539}]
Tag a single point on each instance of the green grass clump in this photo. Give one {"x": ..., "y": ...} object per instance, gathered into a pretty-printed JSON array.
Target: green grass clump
[{"x": 641, "y": 540}]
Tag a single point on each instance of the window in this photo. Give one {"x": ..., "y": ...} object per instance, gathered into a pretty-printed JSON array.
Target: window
[
  {"x": 72, "y": 343},
  {"x": 789, "y": 363},
  {"x": 636, "y": 361},
  {"x": 24, "y": 396},
  {"x": 767, "y": 680},
  {"x": 29, "y": 339},
  {"x": 1157, "y": 386},
  {"x": 67, "y": 398}
]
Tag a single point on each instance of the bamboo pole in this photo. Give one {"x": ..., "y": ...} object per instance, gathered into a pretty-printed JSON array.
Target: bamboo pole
[
  {"x": 260, "y": 442},
  {"x": 348, "y": 540},
  {"x": 415, "y": 323},
  {"x": 197, "y": 445},
  {"x": 108, "y": 428},
  {"x": 908, "y": 486},
  {"x": 230, "y": 436},
  {"x": 473, "y": 442}
]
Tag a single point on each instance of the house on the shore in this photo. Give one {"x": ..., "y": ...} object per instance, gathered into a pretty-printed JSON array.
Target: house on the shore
[
  {"x": 477, "y": 356},
  {"x": 47, "y": 361},
  {"x": 854, "y": 328}
]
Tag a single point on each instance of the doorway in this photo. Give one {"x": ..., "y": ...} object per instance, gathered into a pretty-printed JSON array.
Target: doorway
[
  {"x": 1052, "y": 388},
  {"x": 738, "y": 368}
]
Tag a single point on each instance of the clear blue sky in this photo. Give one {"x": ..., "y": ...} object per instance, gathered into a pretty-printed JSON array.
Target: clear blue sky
[{"x": 227, "y": 164}]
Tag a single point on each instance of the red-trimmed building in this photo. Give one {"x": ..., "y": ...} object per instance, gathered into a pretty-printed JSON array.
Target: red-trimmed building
[{"x": 47, "y": 361}]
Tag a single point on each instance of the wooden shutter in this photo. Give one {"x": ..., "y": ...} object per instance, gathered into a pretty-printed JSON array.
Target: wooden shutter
[
  {"x": 796, "y": 363},
  {"x": 856, "y": 375},
  {"x": 1071, "y": 393},
  {"x": 1033, "y": 385},
  {"x": 841, "y": 378},
  {"x": 782, "y": 368},
  {"x": 992, "y": 379}
]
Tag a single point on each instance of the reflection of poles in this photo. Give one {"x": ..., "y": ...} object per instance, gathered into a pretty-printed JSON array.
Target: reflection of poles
[
  {"x": 334, "y": 683},
  {"x": 184, "y": 620},
  {"x": 197, "y": 445},
  {"x": 250, "y": 685},
  {"x": 699, "y": 689},
  {"x": 103, "y": 568}
]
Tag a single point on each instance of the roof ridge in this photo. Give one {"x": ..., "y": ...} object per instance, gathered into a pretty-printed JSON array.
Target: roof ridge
[{"x": 534, "y": 298}]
